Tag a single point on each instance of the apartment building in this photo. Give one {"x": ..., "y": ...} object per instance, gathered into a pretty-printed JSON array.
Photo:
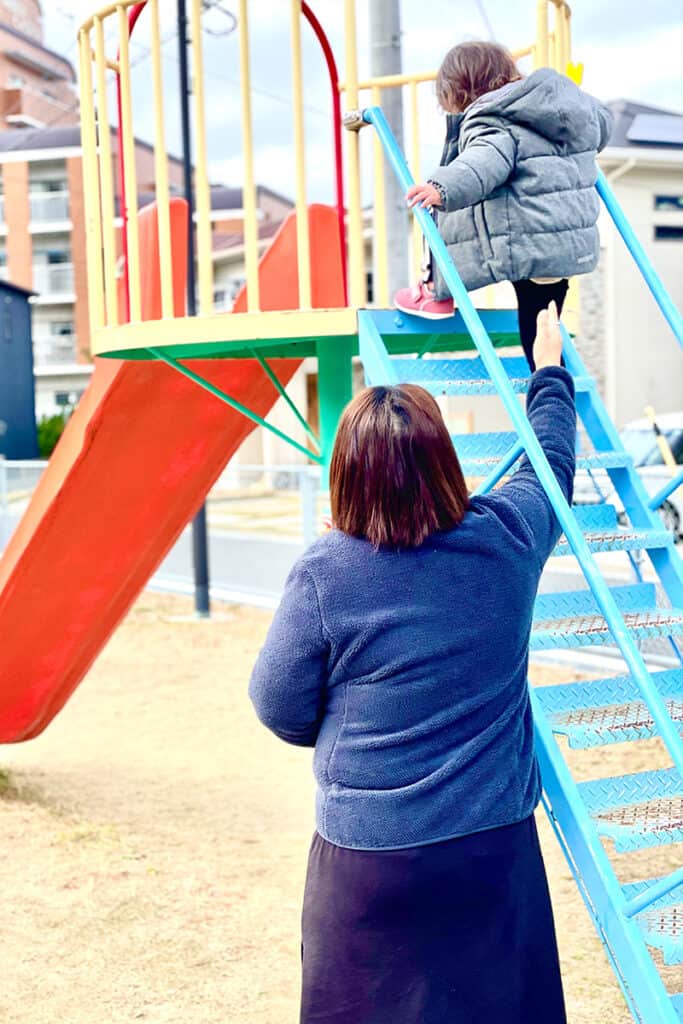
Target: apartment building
[
  {"x": 37, "y": 85},
  {"x": 42, "y": 248}
]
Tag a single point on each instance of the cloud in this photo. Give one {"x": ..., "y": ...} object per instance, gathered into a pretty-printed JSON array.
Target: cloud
[{"x": 644, "y": 68}]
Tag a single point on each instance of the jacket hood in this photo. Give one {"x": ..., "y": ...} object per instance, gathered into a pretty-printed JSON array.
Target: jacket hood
[{"x": 550, "y": 105}]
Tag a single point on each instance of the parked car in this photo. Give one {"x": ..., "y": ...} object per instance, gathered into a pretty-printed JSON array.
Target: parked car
[{"x": 640, "y": 442}]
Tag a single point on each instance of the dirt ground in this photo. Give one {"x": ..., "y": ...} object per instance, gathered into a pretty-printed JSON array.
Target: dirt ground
[{"x": 154, "y": 843}]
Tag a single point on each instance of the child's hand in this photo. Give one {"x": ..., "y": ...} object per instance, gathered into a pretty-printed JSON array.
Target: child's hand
[
  {"x": 548, "y": 343},
  {"x": 425, "y": 195}
]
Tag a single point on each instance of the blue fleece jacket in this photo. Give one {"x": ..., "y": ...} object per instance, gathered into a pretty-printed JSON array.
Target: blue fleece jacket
[{"x": 407, "y": 670}]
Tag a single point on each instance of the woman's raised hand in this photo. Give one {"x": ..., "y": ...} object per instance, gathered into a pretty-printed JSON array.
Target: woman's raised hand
[
  {"x": 426, "y": 195},
  {"x": 548, "y": 343}
]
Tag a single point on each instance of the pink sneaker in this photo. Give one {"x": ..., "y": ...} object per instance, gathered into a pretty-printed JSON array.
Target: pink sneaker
[{"x": 420, "y": 301}]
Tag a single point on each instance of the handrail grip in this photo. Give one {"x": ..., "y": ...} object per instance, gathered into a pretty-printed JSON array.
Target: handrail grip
[
  {"x": 642, "y": 260},
  {"x": 535, "y": 453}
]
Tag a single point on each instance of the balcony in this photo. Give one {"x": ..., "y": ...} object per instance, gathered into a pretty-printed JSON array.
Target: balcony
[
  {"x": 54, "y": 282},
  {"x": 54, "y": 350},
  {"x": 49, "y": 209}
]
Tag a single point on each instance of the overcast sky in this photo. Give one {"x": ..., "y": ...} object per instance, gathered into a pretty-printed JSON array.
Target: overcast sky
[{"x": 630, "y": 50}]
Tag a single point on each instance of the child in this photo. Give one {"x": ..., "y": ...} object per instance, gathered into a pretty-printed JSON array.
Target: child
[{"x": 516, "y": 183}]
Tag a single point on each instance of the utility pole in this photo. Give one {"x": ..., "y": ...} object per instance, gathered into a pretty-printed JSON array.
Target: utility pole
[
  {"x": 385, "y": 59},
  {"x": 200, "y": 547}
]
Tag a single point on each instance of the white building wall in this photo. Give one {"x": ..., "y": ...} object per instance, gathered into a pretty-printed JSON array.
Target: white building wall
[{"x": 643, "y": 360}]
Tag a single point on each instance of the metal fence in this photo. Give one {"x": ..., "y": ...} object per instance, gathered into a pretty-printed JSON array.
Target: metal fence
[{"x": 261, "y": 518}]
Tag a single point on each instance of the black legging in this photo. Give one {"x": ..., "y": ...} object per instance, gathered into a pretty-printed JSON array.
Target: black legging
[{"x": 531, "y": 299}]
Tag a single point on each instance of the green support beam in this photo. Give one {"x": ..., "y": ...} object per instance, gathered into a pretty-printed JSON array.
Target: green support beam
[{"x": 334, "y": 391}]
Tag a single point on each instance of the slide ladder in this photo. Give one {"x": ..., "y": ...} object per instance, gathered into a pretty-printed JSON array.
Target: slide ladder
[{"x": 638, "y": 917}]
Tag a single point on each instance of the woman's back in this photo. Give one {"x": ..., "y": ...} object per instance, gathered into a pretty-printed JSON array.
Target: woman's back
[{"x": 410, "y": 666}]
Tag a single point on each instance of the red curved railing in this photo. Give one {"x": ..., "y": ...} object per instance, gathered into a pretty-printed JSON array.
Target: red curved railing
[
  {"x": 337, "y": 116},
  {"x": 333, "y": 73},
  {"x": 133, "y": 15}
]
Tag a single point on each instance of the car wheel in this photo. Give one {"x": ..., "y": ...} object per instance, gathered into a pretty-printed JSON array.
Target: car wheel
[{"x": 668, "y": 513}]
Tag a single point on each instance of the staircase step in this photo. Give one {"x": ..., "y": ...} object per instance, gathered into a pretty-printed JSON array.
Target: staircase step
[
  {"x": 466, "y": 376},
  {"x": 637, "y": 811},
  {"x": 611, "y": 710},
  {"x": 618, "y": 540},
  {"x": 662, "y": 922},
  {"x": 480, "y": 453},
  {"x": 573, "y": 619},
  {"x": 565, "y": 603}
]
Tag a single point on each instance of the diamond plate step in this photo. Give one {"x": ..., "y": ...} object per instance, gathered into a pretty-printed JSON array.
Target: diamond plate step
[
  {"x": 619, "y": 540},
  {"x": 662, "y": 922},
  {"x": 573, "y": 619},
  {"x": 466, "y": 376},
  {"x": 636, "y": 811},
  {"x": 610, "y": 710},
  {"x": 480, "y": 453}
]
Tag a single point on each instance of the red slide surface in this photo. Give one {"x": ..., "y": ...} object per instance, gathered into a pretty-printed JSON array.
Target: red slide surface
[{"x": 134, "y": 465}]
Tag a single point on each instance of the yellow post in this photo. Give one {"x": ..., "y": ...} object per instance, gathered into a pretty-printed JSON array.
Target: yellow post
[
  {"x": 357, "y": 289},
  {"x": 541, "y": 51},
  {"x": 248, "y": 187},
  {"x": 107, "y": 180},
  {"x": 161, "y": 168},
  {"x": 91, "y": 192},
  {"x": 567, "y": 15},
  {"x": 129, "y": 170},
  {"x": 379, "y": 243},
  {"x": 415, "y": 168},
  {"x": 303, "y": 249},
  {"x": 560, "y": 43},
  {"x": 202, "y": 192}
]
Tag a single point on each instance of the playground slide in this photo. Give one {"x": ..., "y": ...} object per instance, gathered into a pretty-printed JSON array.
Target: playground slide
[{"x": 134, "y": 465}]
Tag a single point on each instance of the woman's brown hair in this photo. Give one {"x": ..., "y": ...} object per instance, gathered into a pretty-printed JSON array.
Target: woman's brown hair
[
  {"x": 471, "y": 69},
  {"x": 394, "y": 475}
]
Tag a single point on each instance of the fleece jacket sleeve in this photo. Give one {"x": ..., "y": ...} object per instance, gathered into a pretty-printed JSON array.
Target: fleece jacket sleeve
[
  {"x": 552, "y": 415},
  {"x": 485, "y": 163},
  {"x": 287, "y": 686}
]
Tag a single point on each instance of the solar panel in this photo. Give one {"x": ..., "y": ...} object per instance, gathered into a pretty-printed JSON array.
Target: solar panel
[{"x": 662, "y": 128}]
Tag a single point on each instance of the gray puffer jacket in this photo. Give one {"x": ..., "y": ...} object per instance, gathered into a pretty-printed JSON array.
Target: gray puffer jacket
[{"x": 518, "y": 176}]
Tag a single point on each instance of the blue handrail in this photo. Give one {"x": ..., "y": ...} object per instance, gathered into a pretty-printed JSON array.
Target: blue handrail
[
  {"x": 643, "y": 261},
  {"x": 669, "y": 487},
  {"x": 631, "y": 654}
]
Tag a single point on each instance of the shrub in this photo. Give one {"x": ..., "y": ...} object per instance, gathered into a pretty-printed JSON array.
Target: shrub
[{"x": 50, "y": 430}]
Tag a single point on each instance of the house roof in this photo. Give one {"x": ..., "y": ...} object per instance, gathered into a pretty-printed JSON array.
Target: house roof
[
  {"x": 637, "y": 125},
  {"x": 225, "y": 198},
  {"x": 32, "y": 41},
  {"x": 13, "y": 139},
  {"x": 65, "y": 137},
  {"x": 10, "y": 286},
  {"x": 225, "y": 242}
]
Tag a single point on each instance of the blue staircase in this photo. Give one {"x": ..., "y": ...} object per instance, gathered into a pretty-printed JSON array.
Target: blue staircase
[{"x": 639, "y": 922}]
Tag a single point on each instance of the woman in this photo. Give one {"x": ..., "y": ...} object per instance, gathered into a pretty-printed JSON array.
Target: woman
[{"x": 400, "y": 652}]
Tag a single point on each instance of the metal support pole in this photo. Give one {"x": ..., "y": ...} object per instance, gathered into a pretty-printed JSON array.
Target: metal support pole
[
  {"x": 309, "y": 486},
  {"x": 200, "y": 547},
  {"x": 385, "y": 59},
  {"x": 4, "y": 504}
]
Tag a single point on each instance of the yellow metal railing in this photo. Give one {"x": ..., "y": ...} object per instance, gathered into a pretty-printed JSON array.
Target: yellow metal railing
[{"x": 102, "y": 183}]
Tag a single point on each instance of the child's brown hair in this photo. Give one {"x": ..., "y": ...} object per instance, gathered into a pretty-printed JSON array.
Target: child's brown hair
[{"x": 471, "y": 69}]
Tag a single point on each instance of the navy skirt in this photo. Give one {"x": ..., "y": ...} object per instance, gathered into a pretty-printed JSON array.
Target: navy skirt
[{"x": 458, "y": 932}]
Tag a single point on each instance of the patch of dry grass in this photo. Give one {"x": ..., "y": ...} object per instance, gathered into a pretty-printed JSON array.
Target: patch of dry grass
[{"x": 155, "y": 841}]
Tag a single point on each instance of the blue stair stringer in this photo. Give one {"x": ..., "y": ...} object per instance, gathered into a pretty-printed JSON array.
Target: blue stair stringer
[{"x": 631, "y": 811}]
